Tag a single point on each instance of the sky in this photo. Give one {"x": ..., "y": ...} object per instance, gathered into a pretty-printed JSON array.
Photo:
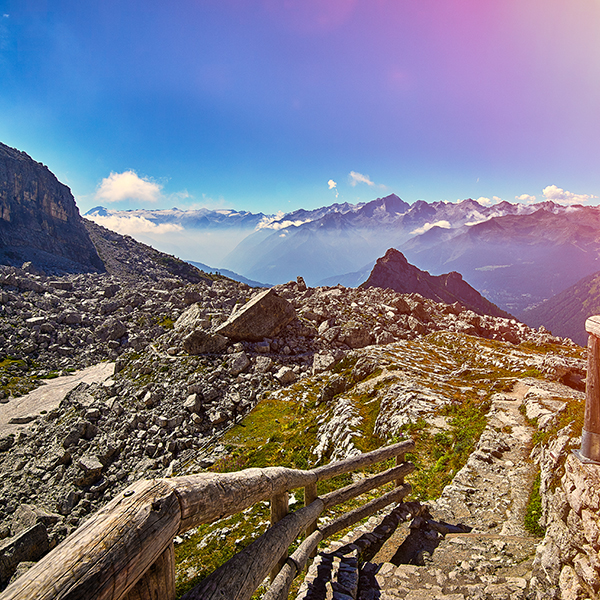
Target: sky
[{"x": 269, "y": 105}]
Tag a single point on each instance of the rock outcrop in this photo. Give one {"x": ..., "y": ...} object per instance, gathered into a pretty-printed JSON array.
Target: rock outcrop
[
  {"x": 264, "y": 316},
  {"x": 395, "y": 272},
  {"x": 39, "y": 221}
]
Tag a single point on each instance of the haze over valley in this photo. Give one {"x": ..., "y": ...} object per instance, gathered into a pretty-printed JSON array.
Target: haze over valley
[{"x": 291, "y": 277}]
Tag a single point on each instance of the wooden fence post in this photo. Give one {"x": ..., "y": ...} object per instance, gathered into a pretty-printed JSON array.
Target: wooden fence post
[
  {"x": 158, "y": 582},
  {"x": 399, "y": 461},
  {"x": 279, "y": 509},
  {"x": 590, "y": 436},
  {"x": 310, "y": 495}
]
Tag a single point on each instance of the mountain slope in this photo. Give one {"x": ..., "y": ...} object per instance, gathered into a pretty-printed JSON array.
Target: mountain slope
[
  {"x": 565, "y": 314},
  {"x": 39, "y": 221},
  {"x": 517, "y": 260},
  {"x": 393, "y": 271}
]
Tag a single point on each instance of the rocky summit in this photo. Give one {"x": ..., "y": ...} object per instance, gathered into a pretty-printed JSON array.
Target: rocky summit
[
  {"x": 395, "y": 272},
  {"x": 39, "y": 221}
]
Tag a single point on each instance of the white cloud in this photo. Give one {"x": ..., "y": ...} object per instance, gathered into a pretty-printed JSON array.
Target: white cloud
[
  {"x": 488, "y": 201},
  {"x": 525, "y": 198},
  {"x": 275, "y": 222},
  {"x": 428, "y": 226},
  {"x": 132, "y": 225},
  {"x": 333, "y": 186},
  {"x": 128, "y": 186},
  {"x": 360, "y": 178},
  {"x": 560, "y": 196}
]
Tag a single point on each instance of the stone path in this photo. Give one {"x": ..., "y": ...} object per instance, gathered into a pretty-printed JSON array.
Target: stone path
[
  {"x": 19, "y": 411},
  {"x": 469, "y": 545}
]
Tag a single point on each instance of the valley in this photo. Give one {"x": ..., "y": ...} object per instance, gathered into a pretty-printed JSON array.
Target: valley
[{"x": 191, "y": 372}]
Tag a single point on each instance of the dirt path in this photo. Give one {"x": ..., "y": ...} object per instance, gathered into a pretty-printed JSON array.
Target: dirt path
[
  {"x": 491, "y": 559},
  {"x": 18, "y": 412},
  {"x": 489, "y": 495}
]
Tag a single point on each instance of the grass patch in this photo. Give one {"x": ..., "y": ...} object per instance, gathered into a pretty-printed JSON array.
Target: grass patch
[
  {"x": 534, "y": 510},
  {"x": 439, "y": 456}
]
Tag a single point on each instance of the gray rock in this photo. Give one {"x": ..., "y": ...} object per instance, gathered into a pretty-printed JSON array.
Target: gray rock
[
  {"x": 28, "y": 515},
  {"x": 355, "y": 336},
  {"x": 190, "y": 318},
  {"x": 237, "y": 363},
  {"x": 201, "y": 342},
  {"x": 91, "y": 471},
  {"x": 322, "y": 362},
  {"x": 263, "y": 364},
  {"x": 193, "y": 403},
  {"x": 31, "y": 544},
  {"x": 112, "y": 329},
  {"x": 263, "y": 316},
  {"x": 285, "y": 376}
]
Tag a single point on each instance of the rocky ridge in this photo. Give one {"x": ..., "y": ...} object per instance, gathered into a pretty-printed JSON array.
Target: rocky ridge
[
  {"x": 39, "y": 220},
  {"x": 169, "y": 403},
  {"x": 395, "y": 272}
]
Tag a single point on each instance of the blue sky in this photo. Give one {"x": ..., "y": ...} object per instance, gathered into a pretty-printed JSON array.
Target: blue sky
[{"x": 258, "y": 105}]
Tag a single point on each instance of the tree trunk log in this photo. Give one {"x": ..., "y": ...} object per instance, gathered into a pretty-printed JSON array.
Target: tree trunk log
[
  {"x": 363, "y": 460},
  {"x": 396, "y": 495},
  {"x": 294, "y": 565},
  {"x": 110, "y": 552},
  {"x": 279, "y": 510},
  {"x": 364, "y": 485}
]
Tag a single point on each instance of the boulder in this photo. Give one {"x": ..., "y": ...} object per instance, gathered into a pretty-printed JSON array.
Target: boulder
[
  {"x": 355, "y": 336},
  {"x": 200, "y": 342},
  {"x": 263, "y": 364},
  {"x": 193, "y": 403},
  {"x": 285, "y": 375},
  {"x": 91, "y": 471},
  {"x": 28, "y": 515},
  {"x": 237, "y": 363},
  {"x": 261, "y": 317},
  {"x": 31, "y": 544},
  {"x": 112, "y": 329},
  {"x": 190, "y": 318}
]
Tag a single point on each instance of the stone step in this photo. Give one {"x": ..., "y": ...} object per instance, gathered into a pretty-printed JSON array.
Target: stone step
[{"x": 460, "y": 567}]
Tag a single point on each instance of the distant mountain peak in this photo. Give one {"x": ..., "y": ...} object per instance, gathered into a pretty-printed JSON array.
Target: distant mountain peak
[{"x": 395, "y": 272}]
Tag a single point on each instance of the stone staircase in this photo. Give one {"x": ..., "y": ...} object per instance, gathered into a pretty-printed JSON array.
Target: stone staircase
[{"x": 469, "y": 544}]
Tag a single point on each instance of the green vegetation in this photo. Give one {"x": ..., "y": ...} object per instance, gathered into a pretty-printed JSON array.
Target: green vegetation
[
  {"x": 287, "y": 427},
  {"x": 439, "y": 456},
  {"x": 534, "y": 510},
  {"x": 166, "y": 322}
]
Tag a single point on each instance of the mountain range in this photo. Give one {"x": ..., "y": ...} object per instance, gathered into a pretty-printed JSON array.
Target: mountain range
[{"x": 517, "y": 255}]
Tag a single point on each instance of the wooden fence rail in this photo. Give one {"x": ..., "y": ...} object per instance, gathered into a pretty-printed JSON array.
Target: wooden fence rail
[{"x": 125, "y": 550}]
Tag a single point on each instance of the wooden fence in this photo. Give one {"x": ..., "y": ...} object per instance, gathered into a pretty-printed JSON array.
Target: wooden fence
[
  {"x": 590, "y": 436},
  {"x": 125, "y": 550}
]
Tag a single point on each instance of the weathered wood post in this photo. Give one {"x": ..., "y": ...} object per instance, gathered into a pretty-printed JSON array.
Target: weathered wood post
[
  {"x": 310, "y": 495},
  {"x": 279, "y": 509},
  {"x": 399, "y": 461},
  {"x": 590, "y": 436},
  {"x": 158, "y": 581}
]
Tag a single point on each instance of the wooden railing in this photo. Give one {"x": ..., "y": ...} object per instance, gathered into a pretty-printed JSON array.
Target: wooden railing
[
  {"x": 125, "y": 550},
  {"x": 590, "y": 435}
]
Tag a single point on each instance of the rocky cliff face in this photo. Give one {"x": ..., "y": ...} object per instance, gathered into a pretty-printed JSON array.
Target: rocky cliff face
[
  {"x": 39, "y": 221},
  {"x": 393, "y": 271}
]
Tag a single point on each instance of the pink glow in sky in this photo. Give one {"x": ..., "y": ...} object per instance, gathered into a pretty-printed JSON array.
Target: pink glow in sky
[{"x": 258, "y": 104}]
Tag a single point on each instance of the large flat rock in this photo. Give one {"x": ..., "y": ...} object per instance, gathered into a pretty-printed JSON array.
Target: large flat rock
[
  {"x": 15, "y": 414},
  {"x": 261, "y": 317}
]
